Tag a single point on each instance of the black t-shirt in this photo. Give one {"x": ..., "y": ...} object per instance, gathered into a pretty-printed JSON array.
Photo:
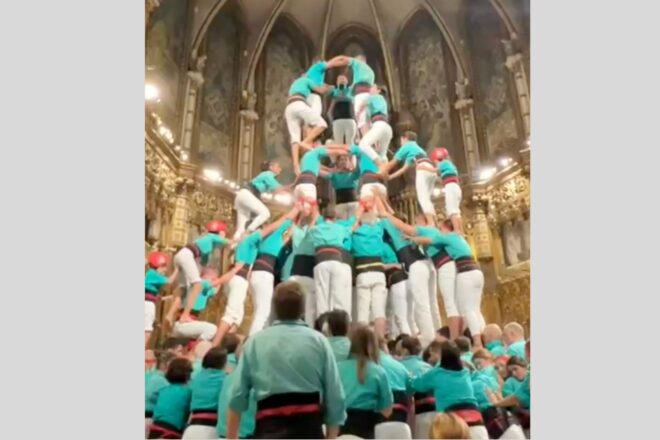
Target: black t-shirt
[{"x": 343, "y": 108}]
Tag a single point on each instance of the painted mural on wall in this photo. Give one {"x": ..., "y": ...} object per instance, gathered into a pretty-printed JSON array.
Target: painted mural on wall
[
  {"x": 515, "y": 241},
  {"x": 216, "y": 127},
  {"x": 427, "y": 92},
  {"x": 283, "y": 64},
  {"x": 493, "y": 82},
  {"x": 164, "y": 55}
]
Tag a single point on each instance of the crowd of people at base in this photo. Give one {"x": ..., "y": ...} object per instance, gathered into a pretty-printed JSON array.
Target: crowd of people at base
[{"x": 338, "y": 380}]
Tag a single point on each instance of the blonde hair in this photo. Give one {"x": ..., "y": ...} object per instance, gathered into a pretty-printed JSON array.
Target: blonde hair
[
  {"x": 515, "y": 329},
  {"x": 449, "y": 426}
]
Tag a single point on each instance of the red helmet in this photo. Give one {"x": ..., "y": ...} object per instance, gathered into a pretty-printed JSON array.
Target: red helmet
[
  {"x": 157, "y": 259},
  {"x": 439, "y": 154},
  {"x": 216, "y": 226}
]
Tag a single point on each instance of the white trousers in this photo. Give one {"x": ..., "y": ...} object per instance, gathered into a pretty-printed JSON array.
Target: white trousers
[
  {"x": 410, "y": 300},
  {"x": 235, "y": 309},
  {"x": 200, "y": 432},
  {"x": 299, "y": 114},
  {"x": 421, "y": 279},
  {"x": 147, "y": 424},
  {"x": 344, "y": 131},
  {"x": 305, "y": 191},
  {"x": 346, "y": 210},
  {"x": 423, "y": 423},
  {"x": 195, "y": 330},
  {"x": 262, "y": 283},
  {"x": 149, "y": 315},
  {"x": 361, "y": 100},
  {"x": 433, "y": 296},
  {"x": 316, "y": 103},
  {"x": 371, "y": 292},
  {"x": 478, "y": 433},
  {"x": 399, "y": 303},
  {"x": 248, "y": 205},
  {"x": 424, "y": 183},
  {"x": 469, "y": 288},
  {"x": 188, "y": 267},
  {"x": 447, "y": 284},
  {"x": 309, "y": 289},
  {"x": 453, "y": 196},
  {"x": 376, "y": 141},
  {"x": 333, "y": 286}
]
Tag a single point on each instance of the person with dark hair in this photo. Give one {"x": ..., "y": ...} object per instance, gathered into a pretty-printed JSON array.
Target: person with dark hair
[
  {"x": 231, "y": 342},
  {"x": 517, "y": 370},
  {"x": 396, "y": 281},
  {"x": 154, "y": 280},
  {"x": 410, "y": 349},
  {"x": 368, "y": 392},
  {"x": 206, "y": 386},
  {"x": 173, "y": 403},
  {"x": 293, "y": 373},
  {"x": 246, "y": 426},
  {"x": 334, "y": 325},
  {"x": 342, "y": 113},
  {"x": 376, "y": 141},
  {"x": 452, "y": 386},
  {"x": 443, "y": 334},
  {"x": 464, "y": 345},
  {"x": 332, "y": 269},
  {"x": 247, "y": 202},
  {"x": 316, "y": 75},
  {"x": 399, "y": 380},
  {"x": 344, "y": 180},
  {"x": 236, "y": 278},
  {"x": 154, "y": 381},
  {"x": 411, "y": 154},
  {"x": 450, "y": 186}
]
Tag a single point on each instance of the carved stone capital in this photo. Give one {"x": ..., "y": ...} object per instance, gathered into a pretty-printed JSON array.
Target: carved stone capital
[
  {"x": 512, "y": 61},
  {"x": 463, "y": 104},
  {"x": 249, "y": 115},
  {"x": 249, "y": 100}
]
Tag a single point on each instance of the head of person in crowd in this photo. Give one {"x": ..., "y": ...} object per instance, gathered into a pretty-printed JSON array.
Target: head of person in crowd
[
  {"x": 364, "y": 348},
  {"x": 517, "y": 367},
  {"x": 432, "y": 353},
  {"x": 150, "y": 360},
  {"x": 288, "y": 301},
  {"x": 442, "y": 334},
  {"x": 361, "y": 57},
  {"x": 231, "y": 342},
  {"x": 450, "y": 356},
  {"x": 408, "y": 136},
  {"x": 337, "y": 323},
  {"x": 513, "y": 332},
  {"x": 501, "y": 366},
  {"x": 342, "y": 81},
  {"x": 463, "y": 344},
  {"x": 215, "y": 358},
  {"x": 409, "y": 346},
  {"x": 483, "y": 359},
  {"x": 164, "y": 359},
  {"x": 343, "y": 163},
  {"x": 449, "y": 426},
  {"x": 320, "y": 322},
  {"x": 491, "y": 333},
  {"x": 271, "y": 165},
  {"x": 391, "y": 348},
  {"x": 179, "y": 371},
  {"x": 175, "y": 345},
  {"x": 329, "y": 213},
  {"x": 446, "y": 226}
]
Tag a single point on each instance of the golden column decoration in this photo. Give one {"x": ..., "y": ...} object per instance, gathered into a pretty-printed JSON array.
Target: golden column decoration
[
  {"x": 479, "y": 222},
  {"x": 465, "y": 107},
  {"x": 179, "y": 231},
  {"x": 248, "y": 128}
]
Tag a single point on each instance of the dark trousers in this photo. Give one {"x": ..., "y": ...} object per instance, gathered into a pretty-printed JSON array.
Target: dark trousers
[
  {"x": 361, "y": 423},
  {"x": 297, "y": 426}
]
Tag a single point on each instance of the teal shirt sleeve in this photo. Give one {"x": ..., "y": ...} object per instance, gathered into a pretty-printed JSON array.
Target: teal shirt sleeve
[
  {"x": 522, "y": 393},
  {"x": 510, "y": 386},
  {"x": 333, "y": 391},
  {"x": 400, "y": 154},
  {"x": 385, "y": 397},
  {"x": 425, "y": 382},
  {"x": 437, "y": 237},
  {"x": 239, "y": 394},
  {"x": 271, "y": 182}
]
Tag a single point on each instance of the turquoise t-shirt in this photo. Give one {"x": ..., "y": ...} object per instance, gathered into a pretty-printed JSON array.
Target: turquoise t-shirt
[
  {"x": 362, "y": 73},
  {"x": 523, "y": 393},
  {"x": 433, "y": 249},
  {"x": 311, "y": 161},
  {"x": 248, "y": 417},
  {"x": 408, "y": 152},
  {"x": 467, "y": 356},
  {"x": 345, "y": 93},
  {"x": 365, "y": 164},
  {"x": 265, "y": 182},
  {"x": 196, "y": 368},
  {"x": 331, "y": 233},
  {"x": 510, "y": 386},
  {"x": 301, "y": 86},
  {"x": 274, "y": 242},
  {"x": 207, "y": 243},
  {"x": 449, "y": 387},
  {"x": 248, "y": 248},
  {"x": 376, "y": 105},
  {"x": 206, "y": 388},
  {"x": 173, "y": 405},
  {"x": 154, "y": 281},
  {"x": 481, "y": 384},
  {"x": 516, "y": 349},
  {"x": 387, "y": 254},
  {"x": 496, "y": 348},
  {"x": 231, "y": 360},
  {"x": 204, "y": 296},
  {"x": 345, "y": 179},
  {"x": 316, "y": 73},
  {"x": 341, "y": 346},
  {"x": 455, "y": 245},
  {"x": 154, "y": 381},
  {"x": 395, "y": 235},
  {"x": 304, "y": 364},
  {"x": 397, "y": 374},
  {"x": 368, "y": 240},
  {"x": 447, "y": 169},
  {"x": 415, "y": 365},
  {"x": 374, "y": 394}
]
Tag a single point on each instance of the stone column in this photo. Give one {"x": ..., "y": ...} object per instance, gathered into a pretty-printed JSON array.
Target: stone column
[
  {"x": 194, "y": 80},
  {"x": 247, "y": 135},
  {"x": 514, "y": 62},
  {"x": 182, "y": 208},
  {"x": 149, "y": 7},
  {"x": 465, "y": 107}
]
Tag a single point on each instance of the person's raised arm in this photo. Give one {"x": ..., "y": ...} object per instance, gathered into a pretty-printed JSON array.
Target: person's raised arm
[
  {"x": 401, "y": 225},
  {"x": 399, "y": 172},
  {"x": 267, "y": 230},
  {"x": 424, "y": 382},
  {"x": 424, "y": 241},
  {"x": 224, "y": 279},
  {"x": 322, "y": 90},
  {"x": 385, "y": 167},
  {"x": 172, "y": 278},
  {"x": 338, "y": 61}
]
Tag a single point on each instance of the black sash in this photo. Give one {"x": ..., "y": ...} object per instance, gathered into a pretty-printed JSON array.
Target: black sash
[
  {"x": 466, "y": 264},
  {"x": 243, "y": 271},
  {"x": 408, "y": 255},
  {"x": 345, "y": 195},
  {"x": 306, "y": 178},
  {"x": 194, "y": 249},
  {"x": 253, "y": 189},
  {"x": 440, "y": 259},
  {"x": 371, "y": 178},
  {"x": 361, "y": 422},
  {"x": 395, "y": 275},
  {"x": 303, "y": 265},
  {"x": 265, "y": 263},
  {"x": 329, "y": 253},
  {"x": 368, "y": 264},
  {"x": 343, "y": 109}
]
